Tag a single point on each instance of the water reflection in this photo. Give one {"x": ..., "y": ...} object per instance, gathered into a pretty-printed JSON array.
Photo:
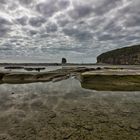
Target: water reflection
[{"x": 64, "y": 110}]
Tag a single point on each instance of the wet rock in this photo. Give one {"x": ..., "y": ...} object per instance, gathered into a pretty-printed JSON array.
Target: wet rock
[
  {"x": 52, "y": 115},
  {"x": 98, "y": 68},
  {"x": 88, "y": 127},
  {"x": 135, "y": 126},
  {"x": 67, "y": 133},
  {"x": 5, "y": 137}
]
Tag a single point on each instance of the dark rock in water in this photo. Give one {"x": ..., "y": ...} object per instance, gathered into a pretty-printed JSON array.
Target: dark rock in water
[
  {"x": 98, "y": 68},
  {"x": 13, "y": 67},
  {"x": 64, "y": 61},
  {"x": 124, "y": 56},
  {"x": 1, "y": 75},
  {"x": 35, "y": 69}
]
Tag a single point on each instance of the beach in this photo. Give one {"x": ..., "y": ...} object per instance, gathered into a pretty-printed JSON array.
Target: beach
[{"x": 62, "y": 110}]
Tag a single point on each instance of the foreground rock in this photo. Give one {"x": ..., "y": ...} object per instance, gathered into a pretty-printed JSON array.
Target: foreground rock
[
  {"x": 112, "y": 80},
  {"x": 31, "y": 77},
  {"x": 124, "y": 56}
]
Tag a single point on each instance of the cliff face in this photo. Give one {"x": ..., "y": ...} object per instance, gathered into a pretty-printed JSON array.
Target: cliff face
[{"x": 125, "y": 56}]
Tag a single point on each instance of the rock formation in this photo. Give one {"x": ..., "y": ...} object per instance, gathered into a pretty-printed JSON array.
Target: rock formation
[
  {"x": 124, "y": 56},
  {"x": 64, "y": 61}
]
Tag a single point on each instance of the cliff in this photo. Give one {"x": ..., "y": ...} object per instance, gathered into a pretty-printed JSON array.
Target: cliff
[{"x": 124, "y": 56}]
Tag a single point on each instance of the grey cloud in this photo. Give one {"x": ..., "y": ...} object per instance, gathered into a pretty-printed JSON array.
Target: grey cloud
[
  {"x": 80, "y": 35},
  {"x": 130, "y": 14},
  {"x": 33, "y": 32},
  {"x": 36, "y": 21},
  {"x": 4, "y": 21},
  {"x": 133, "y": 21},
  {"x": 12, "y": 6},
  {"x": 112, "y": 27},
  {"x": 62, "y": 20},
  {"x": 51, "y": 27},
  {"x": 44, "y": 35},
  {"x": 3, "y": 1},
  {"x": 3, "y": 31},
  {"x": 63, "y": 3},
  {"x": 105, "y": 6},
  {"x": 29, "y": 32},
  {"x": 95, "y": 23},
  {"x": 6, "y": 46},
  {"x": 47, "y": 8},
  {"x": 23, "y": 20},
  {"x": 4, "y": 26},
  {"x": 76, "y": 49},
  {"x": 80, "y": 11},
  {"x": 107, "y": 37},
  {"x": 132, "y": 37},
  {"x": 26, "y": 2}
]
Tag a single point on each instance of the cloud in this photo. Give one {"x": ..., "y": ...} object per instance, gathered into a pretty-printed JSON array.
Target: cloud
[
  {"x": 80, "y": 35},
  {"x": 62, "y": 20},
  {"x": 47, "y": 8},
  {"x": 76, "y": 28},
  {"x": 3, "y": 31},
  {"x": 63, "y": 4},
  {"x": 33, "y": 32},
  {"x": 22, "y": 20},
  {"x": 4, "y": 26},
  {"x": 51, "y": 27},
  {"x": 36, "y": 21},
  {"x": 104, "y": 6},
  {"x": 80, "y": 11},
  {"x": 133, "y": 21},
  {"x": 26, "y": 2},
  {"x": 4, "y": 21},
  {"x": 3, "y": 1}
]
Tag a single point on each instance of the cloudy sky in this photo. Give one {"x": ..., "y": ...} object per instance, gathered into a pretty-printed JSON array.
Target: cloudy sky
[{"x": 47, "y": 30}]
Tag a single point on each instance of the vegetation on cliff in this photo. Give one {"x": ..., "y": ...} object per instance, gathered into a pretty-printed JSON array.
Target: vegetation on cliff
[{"x": 125, "y": 56}]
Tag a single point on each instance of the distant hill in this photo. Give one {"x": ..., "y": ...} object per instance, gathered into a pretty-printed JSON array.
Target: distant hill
[{"x": 124, "y": 56}]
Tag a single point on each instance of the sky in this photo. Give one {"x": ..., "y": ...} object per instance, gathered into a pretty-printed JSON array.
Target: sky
[{"x": 80, "y": 30}]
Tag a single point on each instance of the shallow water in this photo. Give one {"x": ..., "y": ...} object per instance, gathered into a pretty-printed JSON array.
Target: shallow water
[
  {"x": 48, "y": 68},
  {"x": 51, "y": 68},
  {"x": 64, "y": 110}
]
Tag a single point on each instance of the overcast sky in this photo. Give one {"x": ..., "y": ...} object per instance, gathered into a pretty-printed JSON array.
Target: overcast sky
[{"x": 47, "y": 30}]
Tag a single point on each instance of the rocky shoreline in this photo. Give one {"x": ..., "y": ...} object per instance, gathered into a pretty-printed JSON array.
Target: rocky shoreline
[
  {"x": 53, "y": 106},
  {"x": 31, "y": 77},
  {"x": 101, "y": 79},
  {"x": 65, "y": 111}
]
